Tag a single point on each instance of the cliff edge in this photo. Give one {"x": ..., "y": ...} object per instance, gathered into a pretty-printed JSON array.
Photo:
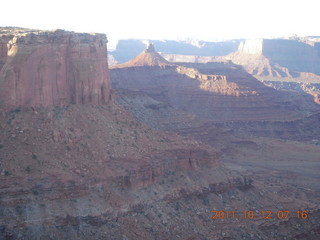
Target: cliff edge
[{"x": 43, "y": 68}]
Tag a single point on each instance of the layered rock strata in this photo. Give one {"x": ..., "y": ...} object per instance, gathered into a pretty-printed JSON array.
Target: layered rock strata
[
  {"x": 42, "y": 68},
  {"x": 149, "y": 57},
  {"x": 215, "y": 91},
  {"x": 277, "y": 57}
]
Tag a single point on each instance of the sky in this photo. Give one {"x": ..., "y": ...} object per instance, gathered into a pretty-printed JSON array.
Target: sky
[{"x": 168, "y": 19}]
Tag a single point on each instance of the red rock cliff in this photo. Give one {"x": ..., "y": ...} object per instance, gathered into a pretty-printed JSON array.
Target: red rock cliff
[{"x": 42, "y": 68}]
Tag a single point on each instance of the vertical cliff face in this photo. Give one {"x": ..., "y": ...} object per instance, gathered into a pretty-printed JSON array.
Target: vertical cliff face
[
  {"x": 277, "y": 58},
  {"x": 4, "y": 48},
  {"x": 53, "y": 68},
  {"x": 251, "y": 46},
  {"x": 281, "y": 60}
]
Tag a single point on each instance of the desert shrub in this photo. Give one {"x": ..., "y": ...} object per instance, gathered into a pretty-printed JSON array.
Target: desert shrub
[
  {"x": 205, "y": 201},
  {"x": 19, "y": 209},
  {"x": 17, "y": 110},
  {"x": 35, "y": 192}
]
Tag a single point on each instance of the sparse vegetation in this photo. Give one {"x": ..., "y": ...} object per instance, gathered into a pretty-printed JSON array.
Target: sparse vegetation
[
  {"x": 17, "y": 110},
  {"x": 35, "y": 192},
  {"x": 34, "y": 156},
  {"x": 65, "y": 165},
  {"x": 177, "y": 207},
  {"x": 19, "y": 209},
  {"x": 206, "y": 201}
]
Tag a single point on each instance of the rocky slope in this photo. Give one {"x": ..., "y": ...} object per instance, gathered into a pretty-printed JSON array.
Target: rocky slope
[
  {"x": 89, "y": 171},
  {"x": 76, "y": 162},
  {"x": 154, "y": 95},
  {"x": 81, "y": 172},
  {"x": 69, "y": 156},
  {"x": 40, "y": 68},
  {"x": 219, "y": 91}
]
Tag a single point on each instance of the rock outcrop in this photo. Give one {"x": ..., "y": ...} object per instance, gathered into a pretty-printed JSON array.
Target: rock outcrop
[
  {"x": 294, "y": 60},
  {"x": 219, "y": 91},
  {"x": 148, "y": 57},
  {"x": 83, "y": 171},
  {"x": 225, "y": 93},
  {"x": 277, "y": 57},
  {"x": 273, "y": 60},
  {"x": 42, "y": 68}
]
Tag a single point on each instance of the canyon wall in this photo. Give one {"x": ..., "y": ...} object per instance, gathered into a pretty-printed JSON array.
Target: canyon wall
[
  {"x": 277, "y": 57},
  {"x": 42, "y": 68},
  {"x": 128, "y": 49},
  {"x": 251, "y": 46},
  {"x": 291, "y": 60},
  {"x": 292, "y": 54},
  {"x": 215, "y": 91}
]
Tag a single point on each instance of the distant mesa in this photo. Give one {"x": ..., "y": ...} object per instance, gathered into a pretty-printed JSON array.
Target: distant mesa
[
  {"x": 127, "y": 49},
  {"x": 278, "y": 57},
  {"x": 286, "y": 60},
  {"x": 149, "y": 57}
]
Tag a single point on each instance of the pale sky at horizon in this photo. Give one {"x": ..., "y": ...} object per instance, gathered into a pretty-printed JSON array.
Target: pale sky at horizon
[{"x": 167, "y": 19}]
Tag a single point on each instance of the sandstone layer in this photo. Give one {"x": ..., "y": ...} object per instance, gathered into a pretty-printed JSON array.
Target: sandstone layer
[
  {"x": 42, "y": 68},
  {"x": 92, "y": 172},
  {"x": 190, "y": 99},
  {"x": 219, "y": 91},
  {"x": 149, "y": 57},
  {"x": 61, "y": 161},
  {"x": 89, "y": 162},
  {"x": 130, "y": 48},
  {"x": 277, "y": 57},
  {"x": 294, "y": 60}
]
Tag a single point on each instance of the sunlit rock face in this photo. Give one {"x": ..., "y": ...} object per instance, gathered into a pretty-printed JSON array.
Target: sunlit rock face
[
  {"x": 290, "y": 60},
  {"x": 278, "y": 57},
  {"x": 149, "y": 57},
  {"x": 42, "y": 68},
  {"x": 251, "y": 46}
]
